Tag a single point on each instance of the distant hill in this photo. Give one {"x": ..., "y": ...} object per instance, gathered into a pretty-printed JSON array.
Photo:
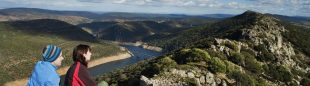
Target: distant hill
[
  {"x": 250, "y": 49},
  {"x": 78, "y": 17},
  {"x": 298, "y": 19},
  {"x": 13, "y": 14},
  {"x": 52, "y": 27},
  {"x": 218, "y": 15},
  {"x": 137, "y": 30}
]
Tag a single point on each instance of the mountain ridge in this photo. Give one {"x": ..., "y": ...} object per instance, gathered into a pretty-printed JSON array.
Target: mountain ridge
[{"x": 248, "y": 49}]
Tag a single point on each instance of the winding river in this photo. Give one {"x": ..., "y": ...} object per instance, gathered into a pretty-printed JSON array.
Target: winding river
[{"x": 138, "y": 55}]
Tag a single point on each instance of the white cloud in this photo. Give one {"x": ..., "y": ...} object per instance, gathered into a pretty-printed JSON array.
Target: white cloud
[
  {"x": 289, "y": 7},
  {"x": 120, "y": 1}
]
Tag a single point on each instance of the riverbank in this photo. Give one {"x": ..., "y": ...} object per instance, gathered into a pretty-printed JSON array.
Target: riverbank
[
  {"x": 137, "y": 44},
  {"x": 63, "y": 70}
]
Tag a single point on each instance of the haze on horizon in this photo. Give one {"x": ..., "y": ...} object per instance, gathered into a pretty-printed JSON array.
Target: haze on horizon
[{"x": 189, "y": 7}]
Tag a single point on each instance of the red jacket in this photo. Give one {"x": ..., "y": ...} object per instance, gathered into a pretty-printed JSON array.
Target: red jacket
[{"x": 78, "y": 75}]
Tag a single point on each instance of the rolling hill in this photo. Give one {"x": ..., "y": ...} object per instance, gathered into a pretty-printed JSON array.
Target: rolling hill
[
  {"x": 131, "y": 31},
  {"x": 78, "y": 17}
]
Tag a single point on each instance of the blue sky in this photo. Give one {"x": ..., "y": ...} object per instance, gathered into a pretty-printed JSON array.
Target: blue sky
[{"x": 191, "y": 7}]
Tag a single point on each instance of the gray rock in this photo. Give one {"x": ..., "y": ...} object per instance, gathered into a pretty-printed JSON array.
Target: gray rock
[
  {"x": 202, "y": 80},
  {"x": 218, "y": 81},
  {"x": 190, "y": 75},
  {"x": 224, "y": 83},
  {"x": 209, "y": 78},
  {"x": 197, "y": 81}
]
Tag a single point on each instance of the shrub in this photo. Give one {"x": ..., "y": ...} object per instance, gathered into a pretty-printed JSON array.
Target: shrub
[
  {"x": 242, "y": 79},
  {"x": 230, "y": 67},
  {"x": 279, "y": 73},
  {"x": 251, "y": 52},
  {"x": 232, "y": 46},
  {"x": 159, "y": 64},
  {"x": 191, "y": 55},
  {"x": 266, "y": 55},
  {"x": 237, "y": 58},
  {"x": 217, "y": 54},
  {"x": 305, "y": 82},
  {"x": 251, "y": 63},
  {"x": 191, "y": 82},
  {"x": 217, "y": 65},
  {"x": 293, "y": 83},
  {"x": 261, "y": 82}
]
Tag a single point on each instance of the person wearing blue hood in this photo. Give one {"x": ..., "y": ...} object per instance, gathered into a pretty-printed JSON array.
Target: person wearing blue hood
[{"x": 44, "y": 72}]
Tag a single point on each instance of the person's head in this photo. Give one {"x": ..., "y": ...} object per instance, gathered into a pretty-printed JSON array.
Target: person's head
[
  {"x": 82, "y": 53},
  {"x": 53, "y": 54}
]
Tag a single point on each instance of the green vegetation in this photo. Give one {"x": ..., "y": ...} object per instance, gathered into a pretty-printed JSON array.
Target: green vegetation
[
  {"x": 251, "y": 63},
  {"x": 279, "y": 73},
  {"x": 242, "y": 79},
  {"x": 237, "y": 58},
  {"x": 266, "y": 56},
  {"x": 217, "y": 65},
  {"x": 299, "y": 36},
  {"x": 305, "y": 82},
  {"x": 191, "y": 55},
  {"x": 19, "y": 51},
  {"x": 231, "y": 67},
  {"x": 191, "y": 82},
  {"x": 232, "y": 45}
]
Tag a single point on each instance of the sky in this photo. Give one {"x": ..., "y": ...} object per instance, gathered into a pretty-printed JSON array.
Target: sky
[{"x": 189, "y": 7}]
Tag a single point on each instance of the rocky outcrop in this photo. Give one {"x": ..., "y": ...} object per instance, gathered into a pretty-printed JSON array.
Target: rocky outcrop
[
  {"x": 175, "y": 77},
  {"x": 154, "y": 48}
]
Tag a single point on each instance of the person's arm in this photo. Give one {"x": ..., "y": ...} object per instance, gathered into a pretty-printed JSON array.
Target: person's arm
[{"x": 85, "y": 77}]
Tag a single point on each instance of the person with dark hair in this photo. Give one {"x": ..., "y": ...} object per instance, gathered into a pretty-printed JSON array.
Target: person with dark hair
[
  {"x": 78, "y": 74},
  {"x": 44, "y": 72}
]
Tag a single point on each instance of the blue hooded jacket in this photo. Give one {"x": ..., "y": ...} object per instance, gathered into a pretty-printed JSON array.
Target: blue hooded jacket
[{"x": 44, "y": 74}]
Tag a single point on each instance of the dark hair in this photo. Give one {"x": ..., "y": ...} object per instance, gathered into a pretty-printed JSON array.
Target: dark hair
[{"x": 78, "y": 53}]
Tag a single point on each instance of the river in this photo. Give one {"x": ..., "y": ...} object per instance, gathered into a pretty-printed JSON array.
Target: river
[{"x": 138, "y": 55}]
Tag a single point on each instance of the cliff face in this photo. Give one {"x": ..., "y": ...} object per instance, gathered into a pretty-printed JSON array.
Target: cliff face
[{"x": 248, "y": 49}]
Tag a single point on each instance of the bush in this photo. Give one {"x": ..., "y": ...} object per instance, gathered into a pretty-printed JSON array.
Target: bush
[
  {"x": 242, "y": 79},
  {"x": 266, "y": 55},
  {"x": 232, "y": 46},
  {"x": 230, "y": 67},
  {"x": 253, "y": 66},
  {"x": 237, "y": 58},
  {"x": 251, "y": 63},
  {"x": 217, "y": 65},
  {"x": 279, "y": 73},
  {"x": 166, "y": 62},
  {"x": 191, "y": 82},
  {"x": 293, "y": 83},
  {"x": 157, "y": 66},
  {"x": 191, "y": 55},
  {"x": 217, "y": 54},
  {"x": 305, "y": 82},
  {"x": 251, "y": 52},
  {"x": 261, "y": 82}
]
